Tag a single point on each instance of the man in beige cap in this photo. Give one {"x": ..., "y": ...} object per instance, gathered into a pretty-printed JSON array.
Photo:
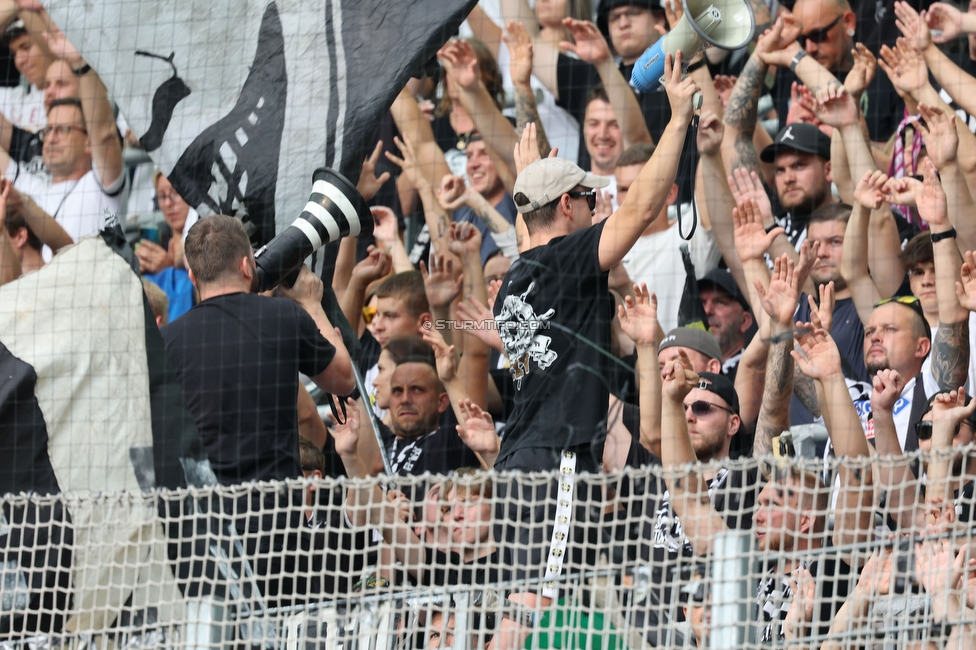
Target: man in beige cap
[{"x": 553, "y": 314}]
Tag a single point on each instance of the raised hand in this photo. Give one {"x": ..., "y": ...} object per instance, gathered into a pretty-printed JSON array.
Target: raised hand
[
  {"x": 869, "y": 191},
  {"x": 835, "y": 107},
  {"x": 938, "y": 567},
  {"x": 62, "y": 48},
  {"x": 779, "y": 300},
  {"x": 862, "y": 74},
  {"x": 451, "y": 194},
  {"x": 821, "y": 358},
  {"x": 680, "y": 91},
  {"x": 951, "y": 407},
  {"x": 478, "y": 430},
  {"x": 408, "y": 164},
  {"x": 377, "y": 264},
  {"x": 751, "y": 239},
  {"x": 440, "y": 283},
  {"x": 464, "y": 239},
  {"x": 802, "y": 106},
  {"x": 473, "y": 311},
  {"x": 902, "y": 191},
  {"x": 940, "y": 135},
  {"x": 519, "y": 52},
  {"x": 604, "y": 208},
  {"x": 460, "y": 62},
  {"x": 588, "y": 43},
  {"x": 945, "y": 19},
  {"x": 385, "y": 226},
  {"x": 888, "y": 385},
  {"x": 527, "y": 148},
  {"x": 904, "y": 66},
  {"x": 746, "y": 186},
  {"x": 346, "y": 435},
  {"x": 774, "y": 46},
  {"x": 876, "y": 576},
  {"x": 710, "y": 132},
  {"x": 913, "y": 26},
  {"x": 966, "y": 287},
  {"x": 931, "y": 202},
  {"x": 809, "y": 254},
  {"x": 638, "y": 316},
  {"x": 369, "y": 184},
  {"x": 822, "y": 315},
  {"x": 443, "y": 354},
  {"x": 678, "y": 378}
]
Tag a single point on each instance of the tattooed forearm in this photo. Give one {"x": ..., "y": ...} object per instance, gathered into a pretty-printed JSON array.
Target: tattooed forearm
[
  {"x": 487, "y": 220},
  {"x": 774, "y": 416},
  {"x": 806, "y": 391},
  {"x": 764, "y": 20},
  {"x": 743, "y": 108},
  {"x": 746, "y": 156},
  {"x": 526, "y": 111},
  {"x": 950, "y": 355}
]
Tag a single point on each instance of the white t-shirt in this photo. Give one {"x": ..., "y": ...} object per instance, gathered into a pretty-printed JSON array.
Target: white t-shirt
[
  {"x": 24, "y": 109},
  {"x": 656, "y": 260},
  {"x": 80, "y": 206}
]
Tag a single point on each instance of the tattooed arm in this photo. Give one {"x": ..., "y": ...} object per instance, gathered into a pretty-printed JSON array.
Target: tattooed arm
[
  {"x": 741, "y": 115},
  {"x": 805, "y": 390},
  {"x": 520, "y": 50}
]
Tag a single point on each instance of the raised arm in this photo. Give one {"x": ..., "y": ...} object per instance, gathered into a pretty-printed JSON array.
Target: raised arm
[
  {"x": 376, "y": 265},
  {"x": 520, "y": 66},
  {"x": 868, "y": 196},
  {"x": 950, "y": 347},
  {"x": 895, "y": 474},
  {"x": 854, "y": 522},
  {"x": 413, "y": 170},
  {"x": 46, "y": 227},
  {"x": 9, "y": 263},
  {"x": 103, "y": 134},
  {"x": 948, "y": 411},
  {"x": 779, "y": 301},
  {"x": 688, "y": 491},
  {"x": 650, "y": 190},
  {"x": 638, "y": 320},
  {"x": 465, "y": 242}
]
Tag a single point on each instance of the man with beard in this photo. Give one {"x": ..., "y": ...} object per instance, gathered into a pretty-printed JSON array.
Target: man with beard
[
  {"x": 415, "y": 442},
  {"x": 800, "y": 155}
]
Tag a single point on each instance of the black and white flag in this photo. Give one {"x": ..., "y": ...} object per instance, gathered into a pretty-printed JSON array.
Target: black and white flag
[{"x": 239, "y": 101}]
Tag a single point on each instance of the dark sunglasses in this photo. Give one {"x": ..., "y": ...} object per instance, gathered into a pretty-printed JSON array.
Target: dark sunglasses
[
  {"x": 819, "y": 35},
  {"x": 590, "y": 197},
  {"x": 923, "y": 430},
  {"x": 701, "y": 408}
]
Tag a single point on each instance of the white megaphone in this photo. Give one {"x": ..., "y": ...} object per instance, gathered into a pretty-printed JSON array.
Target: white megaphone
[{"x": 728, "y": 24}]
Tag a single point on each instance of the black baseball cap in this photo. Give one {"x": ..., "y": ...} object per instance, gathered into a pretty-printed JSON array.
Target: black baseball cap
[
  {"x": 721, "y": 386},
  {"x": 606, "y": 6},
  {"x": 798, "y": 136},
  {"x": 723, "y": 280}
]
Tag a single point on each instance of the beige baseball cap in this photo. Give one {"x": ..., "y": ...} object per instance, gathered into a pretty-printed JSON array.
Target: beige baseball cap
[{"x": 544, "y": 181}]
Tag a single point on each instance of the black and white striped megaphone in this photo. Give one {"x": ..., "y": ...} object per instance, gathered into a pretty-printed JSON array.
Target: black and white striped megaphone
[
  {"x": 727, "y": 24},
  {"x": 334, "y": 210}
]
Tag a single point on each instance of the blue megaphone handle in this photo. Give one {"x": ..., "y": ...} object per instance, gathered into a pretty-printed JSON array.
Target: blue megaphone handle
[{"x": 649, "y": 68}]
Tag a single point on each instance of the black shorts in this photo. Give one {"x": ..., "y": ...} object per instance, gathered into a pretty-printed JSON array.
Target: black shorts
[{"x": 525, "y": 515}]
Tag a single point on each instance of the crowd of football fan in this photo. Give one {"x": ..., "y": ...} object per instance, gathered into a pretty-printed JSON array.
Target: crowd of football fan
[{"x": 534, "y": 320}]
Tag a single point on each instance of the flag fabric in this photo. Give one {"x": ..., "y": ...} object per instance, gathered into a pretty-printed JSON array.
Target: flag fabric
[
  {"x": 239, "y": 101},
  {"x": 691, "y": 313}
]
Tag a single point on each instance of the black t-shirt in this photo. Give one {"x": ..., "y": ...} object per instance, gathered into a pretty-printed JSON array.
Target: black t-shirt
[
  {"x": 448, "y": 569},
  {"x": 882, "y": 107},
  {"x": 576, "y": 78},
  {"x": 774, "y": 596},
  {"x": 554, "y": 311},
  {"x": 439, "y": 452},
  {"x": 238, "y": 357},
  {"x": 963, "y": 60},
  {"x": 876, "y": 22}
]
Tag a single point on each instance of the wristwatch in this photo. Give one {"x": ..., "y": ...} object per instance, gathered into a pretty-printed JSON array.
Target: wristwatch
[
  {"x": 82, "y": 71},
  {"x": 796, "y": 59},
  {"x": 939, "y": 236}
]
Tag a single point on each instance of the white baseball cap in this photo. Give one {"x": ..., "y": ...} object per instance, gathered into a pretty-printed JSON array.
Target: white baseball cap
[{"x": 544, "y": 181}]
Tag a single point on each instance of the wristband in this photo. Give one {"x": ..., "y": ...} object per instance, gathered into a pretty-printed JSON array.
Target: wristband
[
  {"x": 82, "y": 71},
  {"x": 796, "y": 59},
  {"x": 939, "y": 236}
]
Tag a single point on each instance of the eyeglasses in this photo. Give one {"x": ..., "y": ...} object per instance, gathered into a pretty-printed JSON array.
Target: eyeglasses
[
  {"x": 701, "y": 408},
  {"x": 368, "y": 314},
  {"x": 167, "y": 196},
  {"x": 61, "y": 130},
  {"x": 819, "y": 35},
  {"x": 923, "y": 430},
  {"x": 590, "y": 196}
]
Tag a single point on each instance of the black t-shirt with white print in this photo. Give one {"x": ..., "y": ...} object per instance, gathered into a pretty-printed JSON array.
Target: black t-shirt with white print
[
  {"x": 439, "y": 452},
  {"x": 553, "y": 314}
]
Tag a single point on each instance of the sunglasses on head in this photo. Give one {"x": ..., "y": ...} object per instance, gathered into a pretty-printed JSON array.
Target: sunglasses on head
[
  {"x": 590, "y": 197},
  {"x": 819, "y": 35},
  {"x": 701, "y": 408}
]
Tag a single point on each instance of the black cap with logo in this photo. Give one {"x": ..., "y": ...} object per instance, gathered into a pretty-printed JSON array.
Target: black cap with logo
[{"x": 798, "y": 136}]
